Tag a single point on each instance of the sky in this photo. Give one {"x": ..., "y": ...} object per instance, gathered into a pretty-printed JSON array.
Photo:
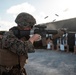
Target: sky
[{"x": 44, "y": 11}]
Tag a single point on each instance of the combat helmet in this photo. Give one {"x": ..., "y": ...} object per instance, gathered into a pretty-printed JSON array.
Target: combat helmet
[{"x": 25, "y": 19}]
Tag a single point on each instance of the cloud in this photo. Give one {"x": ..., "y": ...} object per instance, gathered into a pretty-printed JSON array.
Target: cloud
[
  {"x": 24, "y": 7},
  {"x": 40, "y": 17},
  {"x": 5, "y": 25},
  {"x": 14, "y": 10}
]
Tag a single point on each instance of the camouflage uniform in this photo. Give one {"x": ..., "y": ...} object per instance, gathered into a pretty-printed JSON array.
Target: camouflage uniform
[
  {"x": 16, "y": 45},
  {"x": 11, "y": 42}
]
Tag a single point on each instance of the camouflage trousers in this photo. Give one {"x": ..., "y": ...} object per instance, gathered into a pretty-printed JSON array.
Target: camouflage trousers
[{"x": 12, "y": 71}]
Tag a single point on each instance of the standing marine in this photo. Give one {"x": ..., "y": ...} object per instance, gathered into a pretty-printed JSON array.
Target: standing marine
[{"x": 14, "y": 47}]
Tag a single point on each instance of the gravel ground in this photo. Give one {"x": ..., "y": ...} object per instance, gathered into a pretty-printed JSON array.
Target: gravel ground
[{"x": 50, "y": 62}]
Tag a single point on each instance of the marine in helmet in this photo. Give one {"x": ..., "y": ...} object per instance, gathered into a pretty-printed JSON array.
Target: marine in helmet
[
  {"x": 19, "y": 45},
  {"x": 25, "y": 19}
]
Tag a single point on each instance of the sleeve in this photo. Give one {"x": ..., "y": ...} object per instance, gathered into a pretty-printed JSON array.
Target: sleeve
[{"x": 11, "y": 42}]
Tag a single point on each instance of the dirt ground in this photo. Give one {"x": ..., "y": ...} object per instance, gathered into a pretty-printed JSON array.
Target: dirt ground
[{"x": 50, "y": 62}]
